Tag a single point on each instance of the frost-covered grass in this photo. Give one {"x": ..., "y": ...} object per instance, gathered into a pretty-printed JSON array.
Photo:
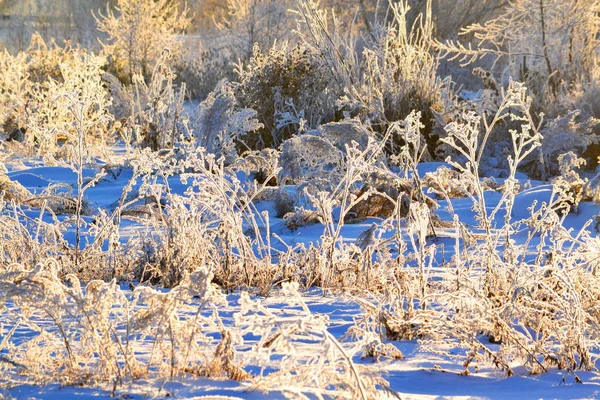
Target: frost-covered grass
[
  {"x": 337, "y": 222},
  {"x": 407, "y": 299}
]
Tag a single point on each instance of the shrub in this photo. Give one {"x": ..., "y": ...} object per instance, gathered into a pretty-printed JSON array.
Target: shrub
[
  {"x": 138, "y": 33},
  {"x": 343, "y": 133},
  {"x": 99, "y": 332},
  {"x": 288, "y": 88},
  {"x": 309, "y": 158},
  {"x": 12, "y": 191},
  {"x": 395, "y": 75},
  {"x": 561, "y": 135},
  {"x": 381, "y": 192},
  {"x": 219, "y": 123},
  {"x": 284, "y": 203},
  {"x": 202, "y": 68},
  {"x": 550, "y": 45},
  {"x": 41, "y": 84},
  {"x": 158, "y": 107}
]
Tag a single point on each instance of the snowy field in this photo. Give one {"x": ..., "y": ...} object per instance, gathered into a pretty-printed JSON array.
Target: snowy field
[
  {"x": 300, "y": 199},
  {"x": 424, "y": 372}
]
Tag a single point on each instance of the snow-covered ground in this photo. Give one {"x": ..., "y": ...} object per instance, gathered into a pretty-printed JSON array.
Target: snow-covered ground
[{"x": 421, "y": 374}]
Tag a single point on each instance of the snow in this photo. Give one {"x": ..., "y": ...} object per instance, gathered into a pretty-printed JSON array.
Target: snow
[{"x": 421, "y": 375}]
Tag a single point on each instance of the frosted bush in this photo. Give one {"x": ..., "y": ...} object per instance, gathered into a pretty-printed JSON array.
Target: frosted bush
[
  {"x": 14, "y": 86},
  {"x": 40, "y": 86},
  {"x": 263, "y": 165},
  {"x": 13, "y": 191},
  {"x": 271, "y": 81},
  {"x": 203, "y": 65},
  {"x": 245, "y": 24},
  {"x": 343, "y": 133},
  {"x": 219, "y": 125},
  {"x": 592, "y": 189},
  {"x": 550, "y": 44},
  {"x": 395, "y": 74},
  {"x": 158, "y": 113},
  {"x": 214, "y": 221},
  {"x": 564, "y": 134},
  {"x": 311, "y": 159},
  {"x": 139, "y": 32},
  {"x": 533, "y": 309}
]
